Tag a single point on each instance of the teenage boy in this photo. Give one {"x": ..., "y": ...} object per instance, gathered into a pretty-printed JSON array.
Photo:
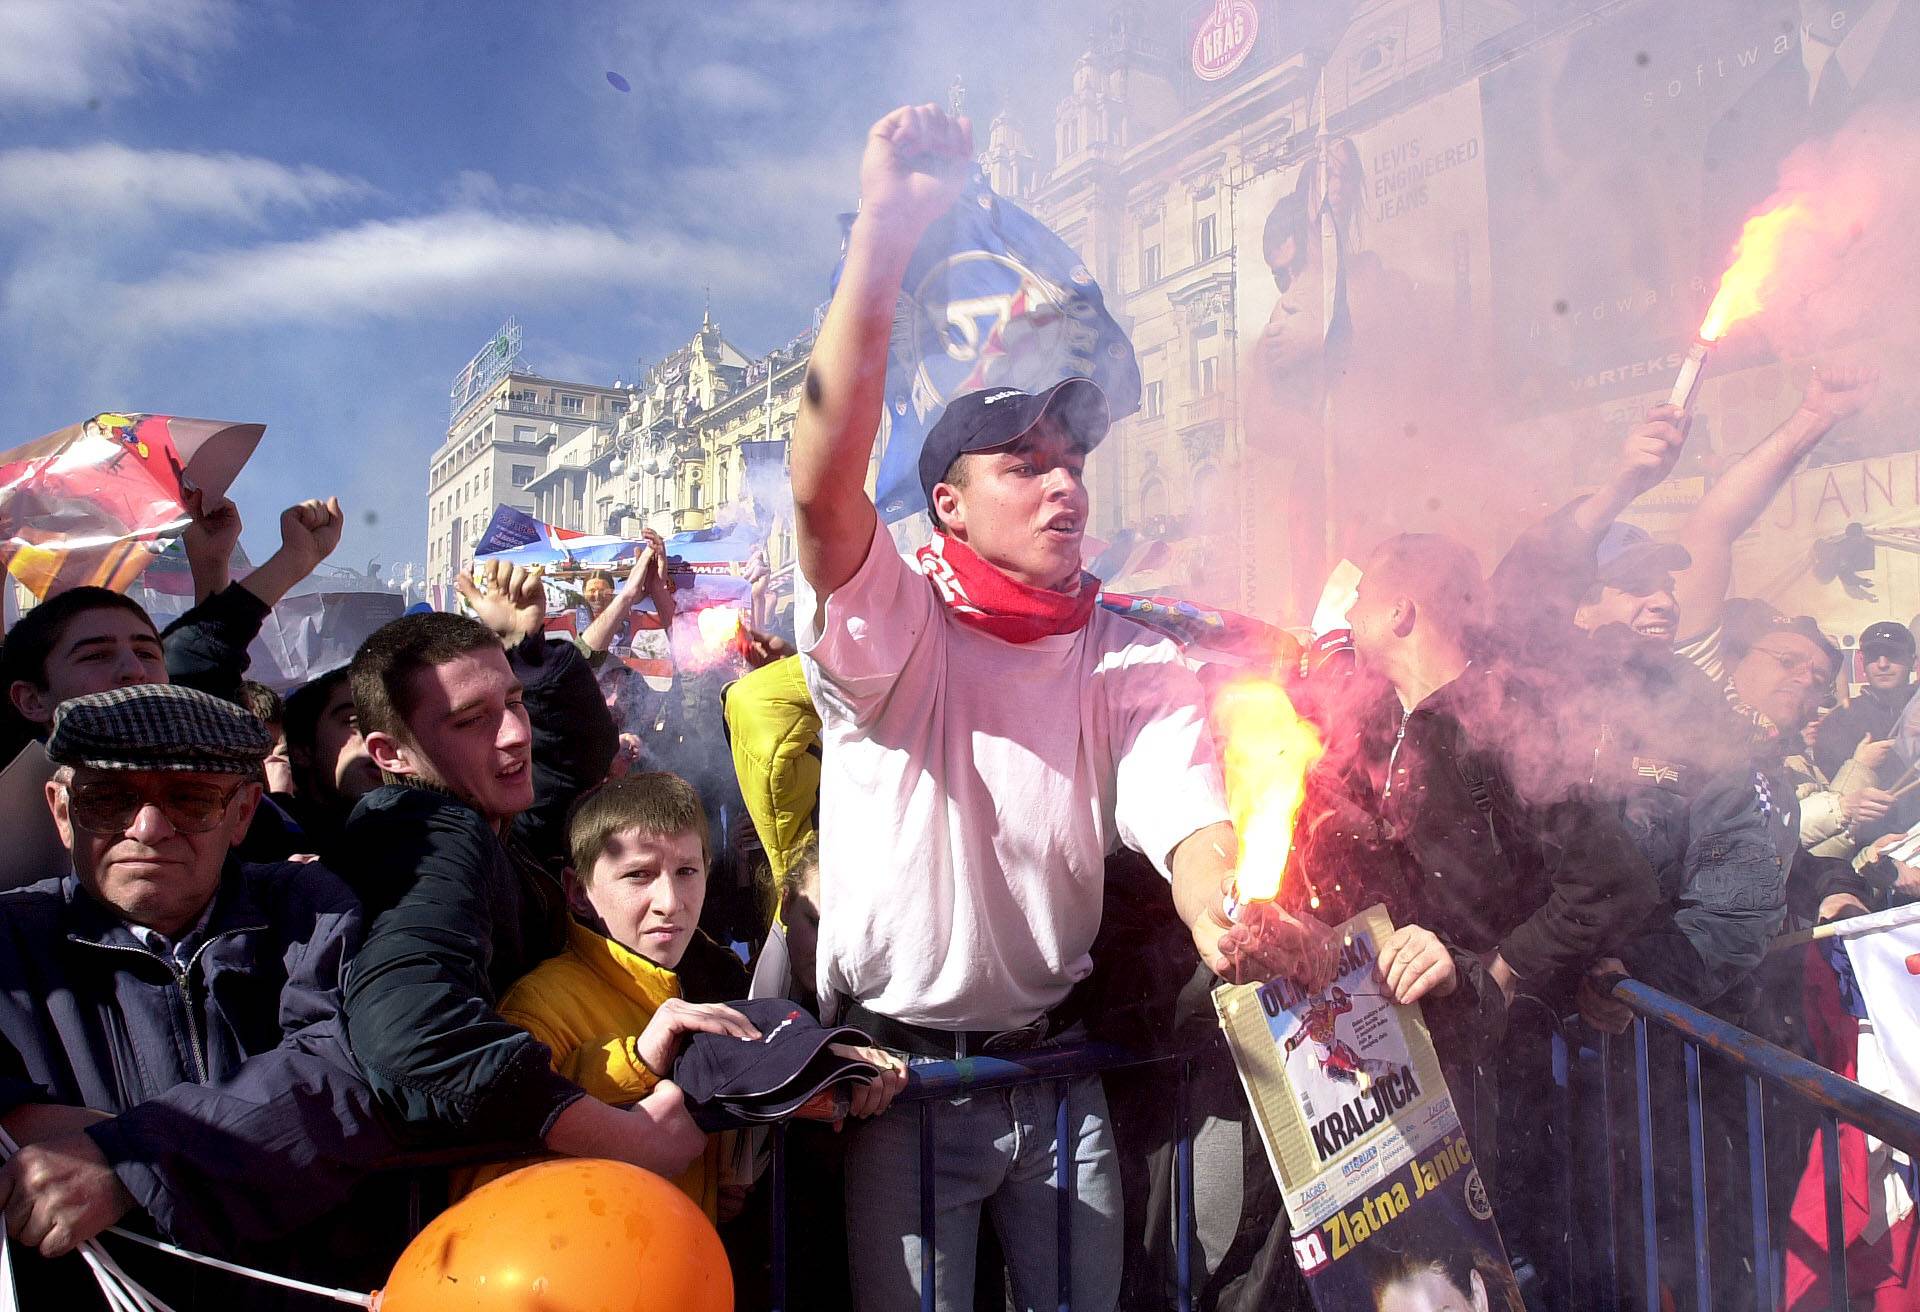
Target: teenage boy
[
  {"x": 486, "y": 733},
  {"x": 615, "y": 1007}
]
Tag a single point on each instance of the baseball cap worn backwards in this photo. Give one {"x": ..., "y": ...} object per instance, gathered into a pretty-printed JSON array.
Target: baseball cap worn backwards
[
  {"x": 731, "y": 1083},
  {"x": 157, "y": 726},
  {"x": 993, "y": 417}
]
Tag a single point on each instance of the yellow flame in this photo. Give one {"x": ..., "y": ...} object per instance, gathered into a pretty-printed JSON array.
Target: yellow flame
[
  {"x": 718, "y": 625},
  {"x": 1756, "y": 259},
  {"x": 1268, "y": 749}
]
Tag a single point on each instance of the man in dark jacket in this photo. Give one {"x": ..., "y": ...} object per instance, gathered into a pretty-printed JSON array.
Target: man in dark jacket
[
  {"x": 1514, "y": 862},
  {"x": 1887, "y": 651},
  {"x": 169, "y": 1029},
  {"x": 484, "y": 747}
]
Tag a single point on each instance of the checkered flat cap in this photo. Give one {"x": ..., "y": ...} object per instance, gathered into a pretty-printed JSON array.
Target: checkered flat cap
[{"x": 157, "y": 726}]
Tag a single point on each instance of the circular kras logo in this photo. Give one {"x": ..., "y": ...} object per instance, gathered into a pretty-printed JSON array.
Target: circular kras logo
[{"x": 1224, "y": 39}]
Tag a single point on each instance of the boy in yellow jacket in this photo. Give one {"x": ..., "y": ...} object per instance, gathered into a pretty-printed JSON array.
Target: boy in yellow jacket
[{"x": 611, "y": 1007}]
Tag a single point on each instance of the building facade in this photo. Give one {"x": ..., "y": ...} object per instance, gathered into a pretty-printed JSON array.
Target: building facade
[
  {"x": 497, "y": 448},
  {"x": 1158, "y": 169}
]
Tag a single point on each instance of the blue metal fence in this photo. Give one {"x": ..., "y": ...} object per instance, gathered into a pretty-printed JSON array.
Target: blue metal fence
[
  {"x": 1591, "y": 1100},
  {"x": 930, "y": 1083},
  {"x": 1751, "y": 1072}
]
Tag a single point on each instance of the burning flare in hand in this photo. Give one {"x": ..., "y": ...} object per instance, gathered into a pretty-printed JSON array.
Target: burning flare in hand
[{"x": 1269, "y": 748}]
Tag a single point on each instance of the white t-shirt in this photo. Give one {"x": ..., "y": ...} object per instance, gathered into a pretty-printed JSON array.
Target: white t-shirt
[{"x": 971, "y": 788}]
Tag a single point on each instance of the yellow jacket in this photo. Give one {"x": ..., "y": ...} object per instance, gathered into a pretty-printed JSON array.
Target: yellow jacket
[
  {"x": 775, "y": 735},
  {"x": 589, "y": 1005}
]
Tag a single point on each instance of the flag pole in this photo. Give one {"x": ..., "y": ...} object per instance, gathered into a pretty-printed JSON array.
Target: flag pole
[{"x": 1329, "y": 293}]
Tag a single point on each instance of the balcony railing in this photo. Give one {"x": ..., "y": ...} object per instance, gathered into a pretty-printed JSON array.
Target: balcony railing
[{"x": 1209, "y": 409}]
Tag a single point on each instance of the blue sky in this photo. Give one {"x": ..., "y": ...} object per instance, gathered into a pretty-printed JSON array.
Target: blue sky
[{"x": 310, "y": 215}]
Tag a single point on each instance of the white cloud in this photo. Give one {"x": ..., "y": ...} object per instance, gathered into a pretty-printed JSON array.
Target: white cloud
[
  {"x": 783, "y": 21},
  {"x": 393, "y": 269},
  {"x": 108, "y": 184},
  {"x": 731, "y": 88},
  {"x": 58, "y": 53}
]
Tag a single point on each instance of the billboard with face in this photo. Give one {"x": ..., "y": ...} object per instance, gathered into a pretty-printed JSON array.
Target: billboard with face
[{"x": 1361, "y": 292}]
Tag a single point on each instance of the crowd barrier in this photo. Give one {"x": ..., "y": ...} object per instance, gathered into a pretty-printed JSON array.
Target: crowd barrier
[
  {"x": 1752, "y": 1075},
  {"x": 1592, "y": 1102}
]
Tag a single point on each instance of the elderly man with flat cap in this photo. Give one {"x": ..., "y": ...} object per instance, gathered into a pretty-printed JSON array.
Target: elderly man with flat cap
[{"x": 169, "y": 1037}]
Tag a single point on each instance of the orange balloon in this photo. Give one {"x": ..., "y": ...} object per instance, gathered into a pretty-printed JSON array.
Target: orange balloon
[{"x": 573, "y": 1235}]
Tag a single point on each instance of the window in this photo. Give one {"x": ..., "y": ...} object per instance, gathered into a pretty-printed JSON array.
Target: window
[
  {"x": 1203, "y": 239},
  {"x": 522, "y": 475},
  {"x": 1153, "y": 400},
  {"x": 1153, "y": 505},
  {"x": 525, "y": 433},
  {"x": 572, "y": 404},
  {"x": 1069, "y": 138},
  {"x": 1207, "y": 381},
  {"x": 1149, "y": 265}
]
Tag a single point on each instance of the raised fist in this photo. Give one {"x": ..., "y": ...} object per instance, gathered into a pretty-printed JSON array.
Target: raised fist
[
  {"x": 1839, "y": 391},
  {"x": 916, "y": 161}
]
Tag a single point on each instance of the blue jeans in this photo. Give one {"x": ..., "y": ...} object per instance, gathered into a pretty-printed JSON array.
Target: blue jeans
[{"x": 996, "y": 1148}]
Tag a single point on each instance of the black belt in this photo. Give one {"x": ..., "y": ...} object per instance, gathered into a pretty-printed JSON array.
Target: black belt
[{"x": 951, "y": 1045}]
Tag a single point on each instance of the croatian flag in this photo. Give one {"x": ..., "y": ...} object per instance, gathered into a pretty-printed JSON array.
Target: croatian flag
[
  {"x": 518, "y": 538},
  {"x": 991, "y": 298},
  {"x": 1863, "y": 1011}
]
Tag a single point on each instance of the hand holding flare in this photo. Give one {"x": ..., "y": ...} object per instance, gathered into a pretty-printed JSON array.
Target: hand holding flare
[{"x": 1268, "y": 749}]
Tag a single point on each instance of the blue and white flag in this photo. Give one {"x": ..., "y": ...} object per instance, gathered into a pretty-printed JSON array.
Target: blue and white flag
[{"x": 991, "y": 298}]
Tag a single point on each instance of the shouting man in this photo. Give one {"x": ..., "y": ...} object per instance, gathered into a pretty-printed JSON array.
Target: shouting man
[{"x": 990, "y": 735}]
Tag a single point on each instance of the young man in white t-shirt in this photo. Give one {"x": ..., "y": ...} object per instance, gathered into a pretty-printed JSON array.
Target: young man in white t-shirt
[{"x": 989, "y": 736}]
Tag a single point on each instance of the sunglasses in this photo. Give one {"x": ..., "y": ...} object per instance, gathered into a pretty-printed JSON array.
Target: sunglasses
[{"x": 110, "y": 807}]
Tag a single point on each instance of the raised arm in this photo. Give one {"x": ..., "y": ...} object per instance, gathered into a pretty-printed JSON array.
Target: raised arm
[
  {"x": 1648, "y": 456},
  {"x": 658, "y": 584},
  {"x": 606, "y": 625},
  {"x": 207, "y": 647},
  {"x": 915, "y": 162},
  {"x": 1733, "y": 503}
]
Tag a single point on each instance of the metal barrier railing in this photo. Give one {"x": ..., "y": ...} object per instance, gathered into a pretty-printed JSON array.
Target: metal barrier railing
[
  {"x": 930, "y": 1082},
  {"x": 1762, "y": 1069},
  {"x": 1760, "y": 1066}
]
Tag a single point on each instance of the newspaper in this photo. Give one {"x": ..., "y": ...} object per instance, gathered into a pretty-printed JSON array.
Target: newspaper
[{"x": 1380, "y": 1183}]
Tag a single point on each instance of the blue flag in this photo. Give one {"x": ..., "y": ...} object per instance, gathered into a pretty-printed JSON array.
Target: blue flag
[{"x": 991, "y": 298}]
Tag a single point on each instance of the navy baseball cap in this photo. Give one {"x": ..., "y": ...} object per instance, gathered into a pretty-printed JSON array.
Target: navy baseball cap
[
  {"x": 730, "y": 1083},
  {"x": 1629, "y": 554},
  {"x": 993, "y": 417}
]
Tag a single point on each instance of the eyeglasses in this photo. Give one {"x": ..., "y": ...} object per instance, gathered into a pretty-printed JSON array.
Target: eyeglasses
[
  {"x": 110, "y": 807},
  {"x": 1793, "y": 663}
]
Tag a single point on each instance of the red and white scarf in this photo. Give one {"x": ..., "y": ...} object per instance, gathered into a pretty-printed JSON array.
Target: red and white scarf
[{"x": 980, "y": 595}]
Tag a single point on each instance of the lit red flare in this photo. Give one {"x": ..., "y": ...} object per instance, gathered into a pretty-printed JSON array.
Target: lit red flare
[
  {"x": 719, "y": 625},
  {"x": 1268, "y": 749},
  {"x": 1756, "y": 270}
]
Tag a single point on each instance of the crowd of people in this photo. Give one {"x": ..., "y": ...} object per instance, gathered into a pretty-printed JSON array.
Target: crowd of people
[{"x": 299, "y": 969}]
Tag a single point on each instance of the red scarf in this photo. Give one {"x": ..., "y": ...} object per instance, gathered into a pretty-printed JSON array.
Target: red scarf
[{"x": 980, "y": 595}]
